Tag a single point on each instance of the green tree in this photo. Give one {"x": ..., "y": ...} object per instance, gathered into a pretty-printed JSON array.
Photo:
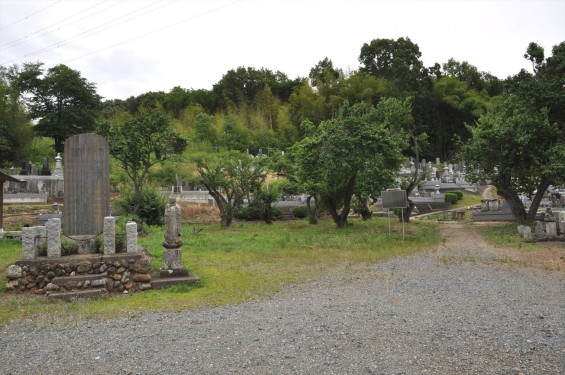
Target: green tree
[
  {"x": 16, "y": 132},
  {"x": 323, "y": 71},
  {"x": 229, "y": 176},
  {"x": 395, "y": 60},
  {"x": 239, "y": 87},
  {"x": 517, "y": 149},
  {"x": 63, "y": 102},
  {"x": 140, "y": 143},
  {"x": 520, "y": 144},
  {"x": 204, "y": 129},
  {"x": 332, "y": 160},
  {"x": 176, "y": 100}
]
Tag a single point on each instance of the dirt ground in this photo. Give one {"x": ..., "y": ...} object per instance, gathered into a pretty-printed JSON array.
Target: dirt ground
[{"x": 548, "y": 256}]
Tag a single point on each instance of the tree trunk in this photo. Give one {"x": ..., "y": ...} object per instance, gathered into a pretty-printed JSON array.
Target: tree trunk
[
  {"x": 516, "y": 205},
  {"x": 226, "y": 212},
  {"x": 137, "y": 196},
  {"x": 59, "y": 145},
  {"x": 406, "y": 212},
  {"x": 312, "y": 212},
  {"x": 268, "y": 213},
  {"x": 366, "y": 214},
  {"x": 340, "y": 218},
  {"x": 544, "y": 184},
  {"x": 337, "y": 217}
]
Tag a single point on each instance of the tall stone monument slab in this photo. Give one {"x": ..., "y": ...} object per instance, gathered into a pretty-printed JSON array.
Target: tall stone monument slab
[{"x": 87, "y": 185}]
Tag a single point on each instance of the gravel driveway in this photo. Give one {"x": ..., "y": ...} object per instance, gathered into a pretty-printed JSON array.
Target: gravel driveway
[{"x": 456, "y": 309}]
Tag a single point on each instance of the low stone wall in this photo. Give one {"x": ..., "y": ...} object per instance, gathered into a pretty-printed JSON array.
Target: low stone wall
[{"x": 116, "y": 273}]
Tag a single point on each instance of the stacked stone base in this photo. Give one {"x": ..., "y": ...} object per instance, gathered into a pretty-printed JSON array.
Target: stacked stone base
[{"x": 115, "y": 273}]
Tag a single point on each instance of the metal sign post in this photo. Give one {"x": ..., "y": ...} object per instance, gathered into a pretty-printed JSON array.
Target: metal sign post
[{"x": 394, "y": 198}]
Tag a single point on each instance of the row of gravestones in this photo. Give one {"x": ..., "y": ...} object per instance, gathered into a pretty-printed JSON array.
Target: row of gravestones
[
  {"x": 546, "y": 229},
  {"x": 34, "y": 237}
]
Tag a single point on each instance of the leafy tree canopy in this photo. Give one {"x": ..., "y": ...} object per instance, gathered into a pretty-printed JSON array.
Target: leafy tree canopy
[
  {"x": 517, "y": 149},
  {"x": 16, "y": 132},
  {"x": 139, "y": 143},
  {"x": 63, "y": 102},
  {"x": 395, "y": 60},
  {"x": 356, "y": 145},
  {"x": 229, "y": 177}
]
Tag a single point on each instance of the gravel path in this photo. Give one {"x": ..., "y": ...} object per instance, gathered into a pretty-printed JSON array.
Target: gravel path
[{"x": 453, "y": 310}]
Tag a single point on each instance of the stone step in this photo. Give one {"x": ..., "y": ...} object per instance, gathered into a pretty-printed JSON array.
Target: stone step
[
  {"x": 286, "y": 213},
  {"x": 164, "y": 282},
  {"x": 94, "y": 280},
  {"x": 77, "y": 294}
]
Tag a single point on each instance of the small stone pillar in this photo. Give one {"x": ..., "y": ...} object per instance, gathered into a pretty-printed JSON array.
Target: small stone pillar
[
  {"x": 53, "y": 227},
  {"x": 109, "y": 235},
  {"x": 131, "y": 236},
  {"x": 521, "y": 230},
  {"x": 527, "y": 233}
]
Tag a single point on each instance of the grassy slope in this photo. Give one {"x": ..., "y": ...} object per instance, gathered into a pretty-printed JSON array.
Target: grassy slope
[{"x": 246, "y": 261}]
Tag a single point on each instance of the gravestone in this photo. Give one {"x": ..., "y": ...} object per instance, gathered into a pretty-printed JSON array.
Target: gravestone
[
  {"x": 551, "y": 229},
  {"x": 45, "y": 171},
  {"x": 561, "y": 222},
  {"x": 87, "y": 185},
  {"x": 540, "y": 230},
  {"x": 172, "y": 255}
]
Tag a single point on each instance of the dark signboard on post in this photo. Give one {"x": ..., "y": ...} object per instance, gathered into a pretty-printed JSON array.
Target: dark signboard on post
[{"x": 394, "y": 199}]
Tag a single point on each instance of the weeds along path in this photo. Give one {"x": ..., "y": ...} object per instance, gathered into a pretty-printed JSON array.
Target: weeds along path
[{"x": 456, "y": 309}]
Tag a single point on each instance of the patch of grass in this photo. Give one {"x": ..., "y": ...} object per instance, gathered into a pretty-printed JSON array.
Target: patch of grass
[
  {"x": 246, "y": 261},
  {"x": 505, "y": 235},
  {"x": 469, "y": 199},
  {"x": 10, "y": 251}
]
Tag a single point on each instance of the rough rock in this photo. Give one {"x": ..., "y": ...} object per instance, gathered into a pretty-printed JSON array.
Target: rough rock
[{"x": 13, "y": 272}]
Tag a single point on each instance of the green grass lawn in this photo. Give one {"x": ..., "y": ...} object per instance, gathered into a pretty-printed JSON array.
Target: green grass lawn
[
  {"x": 244, "y": 262},
  {"x": 468, "y": 200}
]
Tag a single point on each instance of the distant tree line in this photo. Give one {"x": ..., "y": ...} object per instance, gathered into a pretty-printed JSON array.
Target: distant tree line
[{"x": 344, "y": 133}]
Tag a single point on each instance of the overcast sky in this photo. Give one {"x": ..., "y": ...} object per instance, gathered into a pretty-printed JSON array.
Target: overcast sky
[{"x": 130, "y": 47}]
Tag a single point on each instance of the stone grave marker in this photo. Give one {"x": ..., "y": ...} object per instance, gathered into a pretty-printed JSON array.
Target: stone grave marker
[{"x": 87, "y": 185}]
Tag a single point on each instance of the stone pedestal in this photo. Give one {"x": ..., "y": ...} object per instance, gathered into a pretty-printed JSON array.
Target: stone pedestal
[{"x": 172, "y": 258}]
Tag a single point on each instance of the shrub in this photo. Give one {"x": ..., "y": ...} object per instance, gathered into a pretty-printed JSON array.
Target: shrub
[
  {"x": 151, "y": 210},
  {"x": 300, "y": 212},
  {"x": 251, "y": 212},
  {"x": 451, "y": 198},
  {"x": 277, "y": 213},
  {"x": 456, "y": 192},
  {"x": 69, "y": 247},
  {"x": 254, "y": 212}
]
